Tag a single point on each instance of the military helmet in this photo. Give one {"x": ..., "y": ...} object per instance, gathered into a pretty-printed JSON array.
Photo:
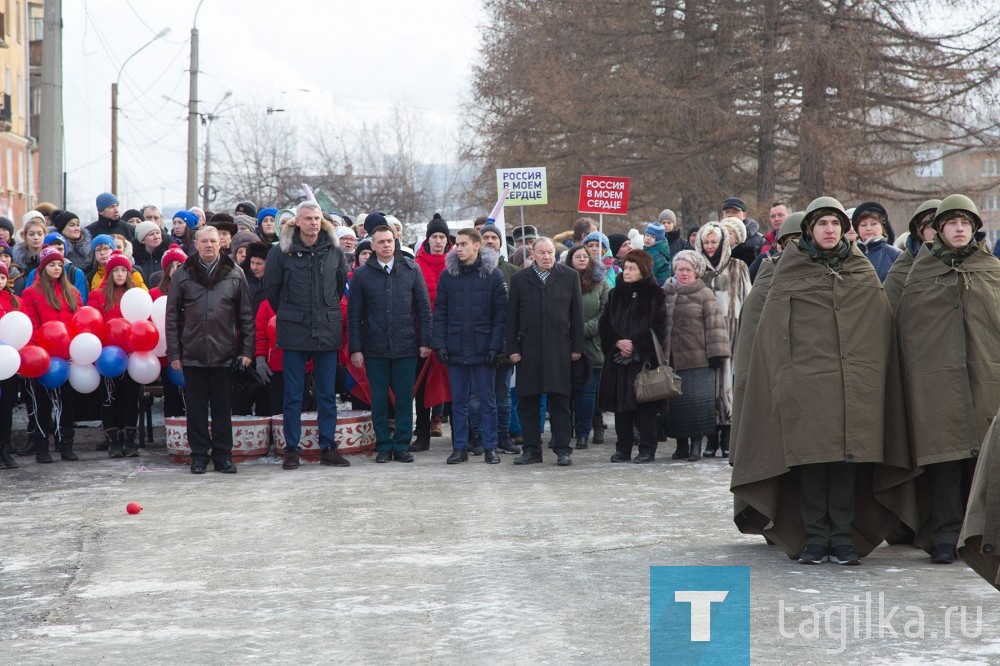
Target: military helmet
[
  {"x": 824, "y": 204},
  {"x": 929, "y": 205},
  {"x": 957, "y": 202},
  {"x": 791, "y": 225}
]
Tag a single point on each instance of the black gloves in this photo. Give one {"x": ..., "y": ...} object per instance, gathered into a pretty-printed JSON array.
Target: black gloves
[
  {"x": 492, "y": 356},
  {"x": 716, "y": 362},
  {"x": 443, "y": 355}
]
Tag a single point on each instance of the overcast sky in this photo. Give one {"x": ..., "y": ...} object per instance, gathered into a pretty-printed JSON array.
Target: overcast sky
[{"x": 348, "y": 61}]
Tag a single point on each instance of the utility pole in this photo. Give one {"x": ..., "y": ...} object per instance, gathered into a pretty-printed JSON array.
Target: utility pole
[
  {"x": 191, "y": 196},
  {"x": 50, "y": 125}
]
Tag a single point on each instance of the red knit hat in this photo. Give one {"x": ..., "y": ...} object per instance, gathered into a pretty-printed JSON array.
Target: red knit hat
[
  {"x": 174, "y": 253},
  {"x": 117, "y": 259},
  {"x": 47, "y": 256},
  {"x": 3, "y": 270}
]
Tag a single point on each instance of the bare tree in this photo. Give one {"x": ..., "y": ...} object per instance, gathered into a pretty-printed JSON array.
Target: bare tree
[{"x": 258, "y": 159}]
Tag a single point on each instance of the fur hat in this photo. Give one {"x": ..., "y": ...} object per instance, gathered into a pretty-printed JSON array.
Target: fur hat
[
  {"x": 642, "y": 259},
  {"x": 224, "y": 222},
  {"x": 47, "y": 256},
  {"x": 173, "y": 253},
  {"x": 117, "y": 260},
  {"x": 526, "y": 233},
  {"x": 143, "y": 229},
  {"x": 696, "y": 259},
  {"x": 258, "y": 249}
]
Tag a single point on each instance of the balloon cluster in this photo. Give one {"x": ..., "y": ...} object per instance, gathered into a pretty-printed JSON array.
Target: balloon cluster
[{"x": 90, "y": 347}]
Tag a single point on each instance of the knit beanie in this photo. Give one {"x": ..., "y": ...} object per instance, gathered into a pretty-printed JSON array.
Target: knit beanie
[
  {"x": 667, "y": 214},
  {"x": 656, "y": 230},
  {"x": 102, "y": 239},
  {"x": 241, "y": 239},
  {"x": 597, "y": 236},
  {"x": 247, "y": 208},
  {"x": 129, "y": 214},
  {"x": 376, "y": 219},
  {"x": 615, "y": 242},
  {"x": 189, "y": 218},
  {"x": 6, "y": 223},
  {"x": 491, "y": 227},
  {"x": 346, "y": 231},
  {"x": 173, "y": 253},
  {"x": 437, "y": 226},
  {"x": 143, "y": 229},
  {"x": 5, "y": 249},
  {"x": 54, "y": 237},
  {"x": 3, "y": 270},
  {"x": 63, "y": 218},
  {"x": 245, "y": 223},
  {"x": 47, "y": 256},
  {"x": 283, "y": 215},
  {"x": 117, "y": 259},
  {"x": 105, "y": 199},
  {"x": 364, "y": 246},
  {"x": 266, "y": 212},
  {"x": 30, "y": 215}
]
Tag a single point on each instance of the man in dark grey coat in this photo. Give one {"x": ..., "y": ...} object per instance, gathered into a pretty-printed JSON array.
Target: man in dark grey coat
[
  {"x": 304, "y": 280},
  {"x": 544, "y": 336},
  {"x": 209, "y": 323},
  {"x": 388, "y": 326}
]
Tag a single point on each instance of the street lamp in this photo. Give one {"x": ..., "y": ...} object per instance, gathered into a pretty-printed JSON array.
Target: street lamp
[
  {"x": 206, "y": 120},
  {"x": 114, "y": 110}
]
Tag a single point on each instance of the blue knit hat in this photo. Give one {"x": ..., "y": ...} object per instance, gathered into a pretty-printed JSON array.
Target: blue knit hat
[
  {"x": 189, "y": 218},
  {"x": 105, "y": 199},
  {"x": 54, "y": 237},
  {"x": 102, "y": 239},
  {"x": 264, "y": 212},
  {"x": 599, "y": 237},
  {"x": 656, "y": 231}
]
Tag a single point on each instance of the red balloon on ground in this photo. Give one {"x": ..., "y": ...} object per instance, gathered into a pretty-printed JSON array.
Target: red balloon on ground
[
  {"x": 87, "y": 320},
  {"x": 53, "y": 337},
  {"x": 34, "y": 361},
  {"x": 133, "y": 508},
  {"x": 145, "y": 336},
  {"x": 118, "y": 333}
]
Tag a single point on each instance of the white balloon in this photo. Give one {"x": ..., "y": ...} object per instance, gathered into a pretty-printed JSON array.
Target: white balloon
[
  {"x": 10, "y": 361},
  {"x": 136, "y": 304},
  {"x": 15, "y": 329},
  {"x": 84, "y": 377},
  {"x": 161, "y": 346},
  {"x": 85, "y": 348},
  {"x": 143, "y": 367},
  {"x": 159, "y": 314}
]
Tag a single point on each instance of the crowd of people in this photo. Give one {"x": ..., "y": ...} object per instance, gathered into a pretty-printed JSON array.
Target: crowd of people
[{"x": 852, "y": 410}]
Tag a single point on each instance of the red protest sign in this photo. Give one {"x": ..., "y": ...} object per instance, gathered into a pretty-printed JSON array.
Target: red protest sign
[{"x": 604, "y": 194}]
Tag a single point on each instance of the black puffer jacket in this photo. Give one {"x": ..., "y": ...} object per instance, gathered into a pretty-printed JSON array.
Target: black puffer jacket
[
  {"x": 470, "y": 309},
  {"x": 388, "y": 316},
  {"x": 104, "y": 225},
  {"x": 304, "y": 284},
  {"x": 146, "y": 261},
  {"x": 209, "y": 321}
]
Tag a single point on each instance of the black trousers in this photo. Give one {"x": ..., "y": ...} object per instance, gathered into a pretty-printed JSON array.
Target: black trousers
[
  {"x": 643, "y": 417},
  {"x": 120, "y": 402},
  {"x": 53, "y": 413},
  {"x": 530, "y": 413},
  {"x": 8, "y": 400},
  {"x": 827, "y": 502},
  {"x": 204, "y": 389},
  {"x": 949, "y": 492}
]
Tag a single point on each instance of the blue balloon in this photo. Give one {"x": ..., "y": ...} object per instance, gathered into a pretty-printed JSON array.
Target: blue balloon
[
  {"x": 112, "y": 362},
  {"x": 176, "y": 377},
  {"x": 56, "y": 375}
]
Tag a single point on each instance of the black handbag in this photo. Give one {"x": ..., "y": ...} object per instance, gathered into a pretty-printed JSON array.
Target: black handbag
[
  {"x": 245, "y": 378},
  {"x": 659, "y": 383}
]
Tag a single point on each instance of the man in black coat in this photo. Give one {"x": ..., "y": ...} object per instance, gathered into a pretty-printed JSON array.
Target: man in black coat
[
  {"x": 545, "y": 331},
  {"x": 468, "y": 334},
  {"x": 109, "y": 218},
  {"x": 388, "y": 326},
  {"x": 304, "y": 280},
  {"x": 209, "y": 324}
]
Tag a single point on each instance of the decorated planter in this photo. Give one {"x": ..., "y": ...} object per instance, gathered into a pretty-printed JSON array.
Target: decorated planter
[
  {"x": 250, "y": 438},
  {"x": 355, "y": 434}
]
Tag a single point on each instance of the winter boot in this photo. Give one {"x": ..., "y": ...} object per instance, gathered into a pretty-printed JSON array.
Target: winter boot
[
  {"x": 130, "y": 447},
  {"x": 581, "y": 442},
  {"x": 724, "y": 441},
  {"x": 695, "y": 453},
  {"x": 111, "y": 443},
  {"x": 42, "y": 454},
  {"x": 435, "y": 426},
  {"x": 421, "y": 443},
  {"x": 66, "y": 450},
  {"x": 682, "y": 449},
  {"x": 27, "y": 449},
  {"x": 597, "y": 435},
  {"x": 712, "y": 446},
  {"x": 6, "y": 459},
  {"x": 476, "y": 445}
]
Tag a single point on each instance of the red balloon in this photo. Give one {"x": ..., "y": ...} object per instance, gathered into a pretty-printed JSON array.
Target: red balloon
[
  {"x": 118, "y": 333},
  {"x": 144, "y": 335},
  {"x": 272, "y": 328},
  {"x": 133, "y": 508},
  {"x": 34, "y": 361},
  {"x": 87, "y": 320},
  {"x": 54, "y": 338}
]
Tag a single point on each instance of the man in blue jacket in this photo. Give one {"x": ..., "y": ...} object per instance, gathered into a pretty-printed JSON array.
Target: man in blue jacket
[
  {"x": 469, "y": 319},
  {"x": 304, "y": 279},
  {"x": 388, "y": 325}
]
